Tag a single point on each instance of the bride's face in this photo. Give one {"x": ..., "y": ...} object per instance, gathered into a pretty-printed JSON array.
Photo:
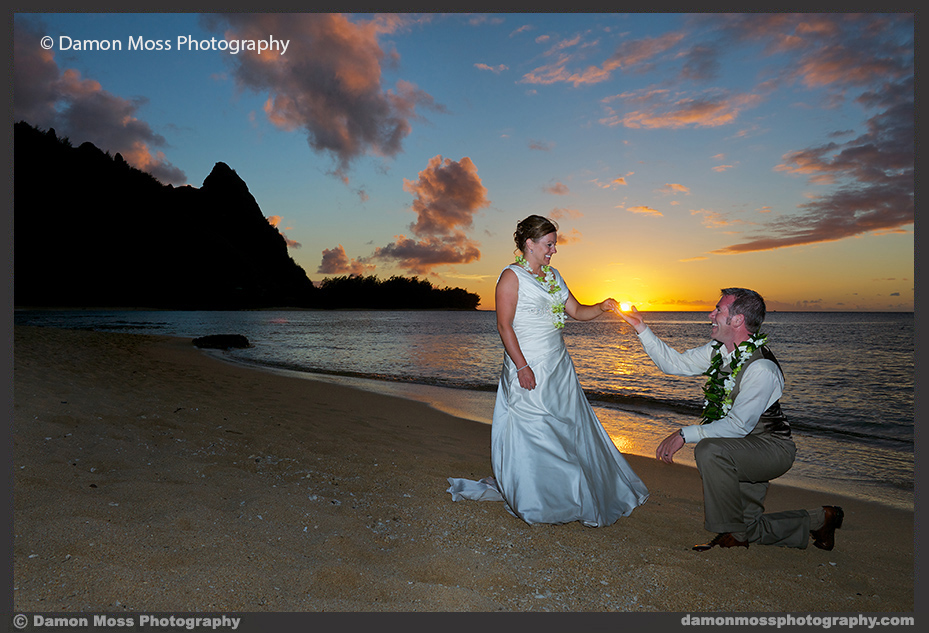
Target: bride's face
[{"x": 542, "y": 249}]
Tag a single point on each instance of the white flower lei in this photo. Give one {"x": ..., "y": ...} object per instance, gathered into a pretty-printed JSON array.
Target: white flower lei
[
  {"x": 550, "y": 284},
  {"x": 718, "y": 388}
]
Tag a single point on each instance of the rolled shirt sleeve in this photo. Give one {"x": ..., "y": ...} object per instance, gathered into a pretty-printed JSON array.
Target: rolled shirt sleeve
[{"x": 762, "y": 384}]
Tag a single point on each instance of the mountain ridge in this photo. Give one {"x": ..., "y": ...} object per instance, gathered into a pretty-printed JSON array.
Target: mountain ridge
[{"x": 91, "y": 230}]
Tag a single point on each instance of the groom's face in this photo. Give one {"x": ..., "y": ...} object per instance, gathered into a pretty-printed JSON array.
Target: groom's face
[{"x": 721, "y": 322}]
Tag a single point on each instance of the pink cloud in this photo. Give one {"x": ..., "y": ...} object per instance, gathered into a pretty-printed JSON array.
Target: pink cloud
[
  {"x": 560, "y": 213},
  {"x": 837, "y": 50},
  {"x": 499, "y": 68},
  {"x": 329, "y": 84},
  {"x": 874, "y": 173},
  {"x": 80, "y": 109},
  {"x": 628, "y": 55},
  {"x": 421, "y": 256},
  {"x": 336, "y": 262},
  {"x": 447, "y": 195},
  {"x": 558, "y": 189}
]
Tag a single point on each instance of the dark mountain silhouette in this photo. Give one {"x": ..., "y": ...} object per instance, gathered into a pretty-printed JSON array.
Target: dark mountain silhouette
[{"x": 90, "y": 230}]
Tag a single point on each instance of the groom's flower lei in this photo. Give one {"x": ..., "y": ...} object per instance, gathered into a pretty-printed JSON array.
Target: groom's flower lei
[
  {"x": 558, "y": 314},
  {"x": 718, "y": 388}
]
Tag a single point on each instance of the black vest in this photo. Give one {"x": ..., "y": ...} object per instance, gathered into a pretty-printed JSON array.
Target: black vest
[{"x": 773, "y": 419}]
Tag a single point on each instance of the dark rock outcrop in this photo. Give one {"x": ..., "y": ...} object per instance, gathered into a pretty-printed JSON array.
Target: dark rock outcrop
[{"x": 222, "y": 341}]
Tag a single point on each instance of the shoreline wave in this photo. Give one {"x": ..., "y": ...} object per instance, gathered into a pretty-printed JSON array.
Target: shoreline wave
[{"x": 632, "y": 403}]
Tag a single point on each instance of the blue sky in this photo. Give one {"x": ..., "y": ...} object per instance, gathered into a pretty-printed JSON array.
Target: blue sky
[{"x": 678, "y": 153}]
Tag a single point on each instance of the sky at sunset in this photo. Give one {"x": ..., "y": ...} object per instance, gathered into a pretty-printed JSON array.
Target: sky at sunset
[{"x": 678, "y": 153}]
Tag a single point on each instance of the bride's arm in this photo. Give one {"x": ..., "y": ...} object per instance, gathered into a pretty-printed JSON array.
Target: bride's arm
[
  {"x": 581, "y": 312},
  {"x": 505, "y": 297}
]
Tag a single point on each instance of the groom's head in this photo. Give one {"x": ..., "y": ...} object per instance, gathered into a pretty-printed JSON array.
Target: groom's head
[{"x": 747, "y": 303}]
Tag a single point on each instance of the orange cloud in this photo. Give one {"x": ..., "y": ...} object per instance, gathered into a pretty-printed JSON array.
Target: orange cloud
[
  {"x": 713, "y": 219},
  {"x": 572, "y": 237},
  {"x": 660, "y": 110},
  {"x": 275, "y": 220},
  {"x": 671, "y": 187},
  {"x": 644, "y": 210}
]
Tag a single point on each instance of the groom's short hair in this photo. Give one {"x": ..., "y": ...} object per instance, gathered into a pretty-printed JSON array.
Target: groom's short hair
[{"x": 749, "y": 304}]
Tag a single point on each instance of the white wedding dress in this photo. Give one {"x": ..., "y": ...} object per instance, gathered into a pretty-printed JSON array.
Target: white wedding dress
[{"x": 552, "y": 460}]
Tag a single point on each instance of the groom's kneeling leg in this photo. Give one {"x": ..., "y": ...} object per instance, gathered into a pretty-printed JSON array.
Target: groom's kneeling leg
[{"x": 722, "y": 498}]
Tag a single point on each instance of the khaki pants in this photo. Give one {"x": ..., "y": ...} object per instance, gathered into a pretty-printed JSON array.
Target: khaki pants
[{"x": 735, "y": 473}]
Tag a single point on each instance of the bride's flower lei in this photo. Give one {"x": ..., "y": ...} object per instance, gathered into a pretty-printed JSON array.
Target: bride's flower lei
[
  {"x": 551, "y": 284},
  {"x": 718, "y": 388}
]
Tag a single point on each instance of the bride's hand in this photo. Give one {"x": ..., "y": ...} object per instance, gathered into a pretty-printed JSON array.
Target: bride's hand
[
  {"x": 609, "y": 305},
  {"x": 526, "y": 379}
]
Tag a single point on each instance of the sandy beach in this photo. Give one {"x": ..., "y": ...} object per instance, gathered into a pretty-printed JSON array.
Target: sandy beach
[{"x": 150, "y": 476}]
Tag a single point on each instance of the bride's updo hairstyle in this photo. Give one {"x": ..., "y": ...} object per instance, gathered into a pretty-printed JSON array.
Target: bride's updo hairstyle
[{"x": 532, "y": 228}]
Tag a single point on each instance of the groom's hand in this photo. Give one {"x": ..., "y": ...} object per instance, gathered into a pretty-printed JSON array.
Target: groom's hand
[
  {"x": 633, "y": 318},
  {"x": 670, "y": 445}
]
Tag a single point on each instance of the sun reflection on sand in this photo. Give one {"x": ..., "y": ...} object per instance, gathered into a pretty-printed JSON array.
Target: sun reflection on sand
[
  {"x": 623, "y": 443},
  {"x": 639, "y": 433}
]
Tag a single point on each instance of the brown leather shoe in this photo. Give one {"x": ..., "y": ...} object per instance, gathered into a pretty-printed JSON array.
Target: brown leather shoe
[
  {"x": 722, "y": 540},
  {"x": 824, "y": 537}
]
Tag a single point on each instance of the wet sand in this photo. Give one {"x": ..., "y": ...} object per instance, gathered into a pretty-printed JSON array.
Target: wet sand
[{"x": 150, "y": 476}]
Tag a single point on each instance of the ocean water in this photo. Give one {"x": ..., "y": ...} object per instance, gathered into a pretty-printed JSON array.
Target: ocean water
[{"x": 849, "y": 393}]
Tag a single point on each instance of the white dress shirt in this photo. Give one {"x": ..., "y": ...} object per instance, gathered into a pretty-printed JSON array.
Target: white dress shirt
[{"x": 762, "y": 384}]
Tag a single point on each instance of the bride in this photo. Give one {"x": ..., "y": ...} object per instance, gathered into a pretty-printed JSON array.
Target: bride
[{"x": 552, "y": 460}]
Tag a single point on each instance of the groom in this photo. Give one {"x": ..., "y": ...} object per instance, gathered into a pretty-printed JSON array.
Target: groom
[{"x": 743, "y": 440}]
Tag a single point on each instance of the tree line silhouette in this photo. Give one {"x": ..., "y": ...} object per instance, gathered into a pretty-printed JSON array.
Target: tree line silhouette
[
  {"x": 395, "y": 293},
  {"x": 89, "y": 230}
]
